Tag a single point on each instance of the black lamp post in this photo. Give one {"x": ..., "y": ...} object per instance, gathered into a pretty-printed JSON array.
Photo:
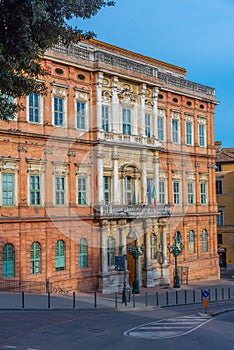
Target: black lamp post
[
  {"x": 176, "y": 249},
  {"x": 135, "y": 252}
]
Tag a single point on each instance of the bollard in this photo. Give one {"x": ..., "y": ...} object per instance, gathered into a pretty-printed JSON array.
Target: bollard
[
  {"x": 146, "y": 299},
  {"x": 156, "y": 296},
  {"x": 185, "y": 296},
  {"x": 209, "y": 294},
  {"x": 74, "y": 300},
  {"x": 48, "y": 300},
  {"x": 216, "y": 294},
  {"x": 194, "y": 296},
  {"x": 95, "y": 299},
  {"x": 223, "y": 293},
  {"x": 116, "y": 301},
  {"x": 176, "y": 297},
  {"x": 167, "y": 298},
  {"x": 22, "y": 300},
  {"x": 133, "y": 300},
  {"x": 229, "y": 293}
]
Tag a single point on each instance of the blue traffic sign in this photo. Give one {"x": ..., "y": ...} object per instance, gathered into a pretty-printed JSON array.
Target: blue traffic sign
[{"x": 205, "y": 293}]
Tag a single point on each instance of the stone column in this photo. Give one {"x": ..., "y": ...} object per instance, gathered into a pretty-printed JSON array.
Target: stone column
[
  {"x": 155, "y": 113},
  {"x": 164, "y": 278},
  {"x": 143, "y": 160},
  {"x": 142, "y": 110},
  {"x": 100, "y": 157},
  {"x": 115, "y": 187},
  {"x": 115, "y": 106},
  {"x": 156, "y": 162},
  {"x": 99, "y": 100}
]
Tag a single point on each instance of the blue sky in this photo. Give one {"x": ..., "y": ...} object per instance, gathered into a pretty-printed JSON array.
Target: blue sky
[{"x": 197, "y": 35}]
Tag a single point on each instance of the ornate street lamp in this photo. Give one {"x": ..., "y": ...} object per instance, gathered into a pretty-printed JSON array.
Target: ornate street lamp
[
  {"x": 176, "y": 249},
  {"x": 136, "y": 252}
]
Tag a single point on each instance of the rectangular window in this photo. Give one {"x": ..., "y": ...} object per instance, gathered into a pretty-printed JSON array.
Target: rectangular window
[
  {"x": 220, "y": 218},
  {"x": 161, "y": 128},
  {"x": 162, "y": 199},
  {"x": 220, "y": 238},
  {"x": 58, "y": 111},
  {"x": 189, "y": 133},
  {"x": 201, "y": 135},
  {"x": 148, "y": 125},
  {"x": 190, "y": 188},
  {"x": 8, "y": 189},
  {"x": 105, "y": 118},
  {"x": 127, "y": 129},
  {"x": 82, "y": 191},
  {"x": 59, "y": 190},
  {"x": 203, "y": 193},
  {"x": 34, "y": 108},
  {"x": 106, "y": 189},
  {"x": 128, "y": 190},
  {"x": 80, "y": 114},
  {"x": 35, "y": 197},
  {"x": 219, "y": 186},
  {"x": 175, "y": 131},
  {"x": 176, "y": 192}
]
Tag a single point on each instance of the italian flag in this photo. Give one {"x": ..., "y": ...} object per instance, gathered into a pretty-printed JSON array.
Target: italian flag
[{"x": 153, "y": 195}]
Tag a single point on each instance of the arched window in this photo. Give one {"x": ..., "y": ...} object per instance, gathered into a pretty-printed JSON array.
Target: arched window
[
  {"x": 177, "y": 237},
  {"x": 8, "y": 261},
  {"x": 60, "y": 255},
  {"x": 153, "y": 245},
  {"x": 83, "y": 253},
  {"x": 204, "y": 241},
  {"x": 35, "y": 258},
  {"x": 191, "y": 242},
  {"x": 111, "y": 251}
]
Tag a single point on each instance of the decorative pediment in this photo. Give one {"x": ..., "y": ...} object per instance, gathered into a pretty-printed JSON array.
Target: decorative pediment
[
  {"x": 190, "y": 176},
  {"x": 36, "y": 166},
  {"x": 126, "y": 95},
  {"x": 60, "y": 168},
  {"x": 9, "y": 164}
]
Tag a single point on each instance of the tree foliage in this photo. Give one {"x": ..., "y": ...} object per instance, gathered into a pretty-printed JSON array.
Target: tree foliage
[{"x": 27, "y": 29}]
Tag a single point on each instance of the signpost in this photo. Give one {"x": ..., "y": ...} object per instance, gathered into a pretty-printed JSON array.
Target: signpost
[{"x": 205, "y": 295}]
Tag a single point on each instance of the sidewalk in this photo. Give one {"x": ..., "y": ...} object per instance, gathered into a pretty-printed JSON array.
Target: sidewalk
[{"x": 157, "y": 296}]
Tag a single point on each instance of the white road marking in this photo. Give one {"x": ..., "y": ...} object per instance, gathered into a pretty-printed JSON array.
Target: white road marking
[{"x": 169, "y": 328}]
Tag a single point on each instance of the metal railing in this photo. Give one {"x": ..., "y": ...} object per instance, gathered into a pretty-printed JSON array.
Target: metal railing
[{"x": 10, "y": 285}]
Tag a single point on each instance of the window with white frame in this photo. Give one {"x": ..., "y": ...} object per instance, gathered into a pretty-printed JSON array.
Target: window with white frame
[
  {"x": 147, "y": 125},
  {"x": 190, "y": 192},
  {"x": 59, "y": 114},
  {"x": 35, "y": 190},
  {"x": 105, "y": 118},
  {"x": 161, "y": 128},
  {"x": 189, "y": 133},
  {"x": 60, "y": 190},
  {"x": 162, "y": 192},
  {"x": 176, "y": 192},
  {"x": 203, "y": 192},
  {"x": 127, "y": 127},
  {"x": 128, "y": 187},
  {"x": 201, "y": 135},
  {"x": 175, "y": 130},
  {"x": 80, "y": 115},
  {"x": 82, "y": 190},
  {"x": 8, "y": 189},
  {"x": 153, "y": 245},
  {"x": 204, "y": 241},
  {"x": 191, "y": 242},
  {"x": 34, "y": 108},
  {"x": 110, "y": 251},
  {"x": 106, "y": 189}
]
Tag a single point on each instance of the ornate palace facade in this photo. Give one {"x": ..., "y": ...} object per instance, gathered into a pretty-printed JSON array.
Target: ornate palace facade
[{"x": 120, "y": 150}]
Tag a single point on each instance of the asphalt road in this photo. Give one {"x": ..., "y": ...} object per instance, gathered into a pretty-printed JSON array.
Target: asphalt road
[{"x": 166, "y": 328}]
